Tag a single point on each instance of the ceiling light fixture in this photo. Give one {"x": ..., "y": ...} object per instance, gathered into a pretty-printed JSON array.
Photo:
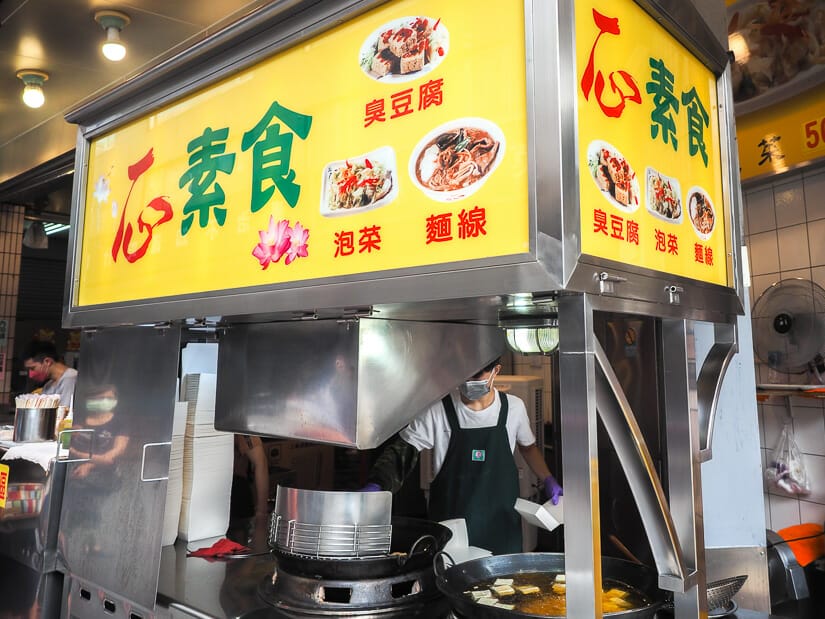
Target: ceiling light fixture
[
  {"x": 113, "y": 22},
  {"x": 531, "y": 329},
  {"x": 33, "y": 86}
]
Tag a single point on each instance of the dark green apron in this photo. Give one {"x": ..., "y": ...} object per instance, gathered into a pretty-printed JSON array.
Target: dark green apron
[{"x": 479, "y": 482}]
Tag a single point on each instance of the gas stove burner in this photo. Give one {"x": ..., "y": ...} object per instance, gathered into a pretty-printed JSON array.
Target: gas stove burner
[{"x": 409, "y": 595}]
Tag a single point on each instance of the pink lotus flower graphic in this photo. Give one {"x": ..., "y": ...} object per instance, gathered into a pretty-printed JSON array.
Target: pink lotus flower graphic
[{"x": 279, "y": 239}]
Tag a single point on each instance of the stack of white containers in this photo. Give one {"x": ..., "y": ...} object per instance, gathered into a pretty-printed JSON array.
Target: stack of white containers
[
  {"x": 207, "y": 464},
  {"x": 174, "y": 487}
]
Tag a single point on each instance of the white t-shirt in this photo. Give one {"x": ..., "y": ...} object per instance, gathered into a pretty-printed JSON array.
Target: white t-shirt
[{"x": 431, "y": 429}]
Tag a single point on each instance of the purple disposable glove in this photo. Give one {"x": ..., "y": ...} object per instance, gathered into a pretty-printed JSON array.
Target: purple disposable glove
[
  {"x": 553, "y": 489},
  {"x": 371, "y": 487}
]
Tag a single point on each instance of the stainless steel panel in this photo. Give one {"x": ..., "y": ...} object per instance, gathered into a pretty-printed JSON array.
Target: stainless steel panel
[
  {"x": 110, "y": 527},
  {"x": 683, "y": 465},
  {"x": 580, "y": 457},
  {"x": 351, "y": 382},
  {"x": 750, "y": 560},
  {"x": 709, "y": 383},
  {"x": 627, "y": 439}
]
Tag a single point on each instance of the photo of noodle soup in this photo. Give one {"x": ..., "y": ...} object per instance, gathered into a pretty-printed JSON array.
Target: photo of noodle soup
[
  {"x": 454, "y": 160},
  {"x": 701, "y": 212}
]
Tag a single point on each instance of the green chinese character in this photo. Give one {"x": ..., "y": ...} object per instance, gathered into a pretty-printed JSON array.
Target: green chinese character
[
  {"x": 206, "y": 159},
  {"x": 272, "y": 152},
  {"x": 698, "y": 119},
  {"x": 666, "y": 104}
]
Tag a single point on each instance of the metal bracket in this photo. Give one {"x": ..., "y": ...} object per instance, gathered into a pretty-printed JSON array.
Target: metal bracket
[
  {"x": 607, "y": 282},
  {"x": 709, "y": 383},
  {"x": 143, "y": 461},
  {"x": 674, "y": 294},
  {"x": 60, "y": 442}
]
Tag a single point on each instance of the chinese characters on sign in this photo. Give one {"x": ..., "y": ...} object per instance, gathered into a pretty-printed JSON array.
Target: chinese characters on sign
[
  {"x": 271, "y": 155},
  {"x": 651, "y": 97},
  {"x": 430, "y": 93}
]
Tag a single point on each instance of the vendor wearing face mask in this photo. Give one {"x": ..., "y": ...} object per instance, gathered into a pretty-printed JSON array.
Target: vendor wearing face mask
[
  {"x": 473, "y": 433},
  {"x": 43, "y": 364}
]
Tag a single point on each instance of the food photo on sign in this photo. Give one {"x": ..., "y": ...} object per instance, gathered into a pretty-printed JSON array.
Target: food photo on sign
[{"x": 779, "y": 50}]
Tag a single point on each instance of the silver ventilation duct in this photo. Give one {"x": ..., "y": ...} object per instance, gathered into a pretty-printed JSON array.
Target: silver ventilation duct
[{"x": 348, "y": 382}]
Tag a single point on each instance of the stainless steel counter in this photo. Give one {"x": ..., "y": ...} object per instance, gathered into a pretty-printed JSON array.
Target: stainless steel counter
[
  {"x": 215, "y": 588},
  {"x": 28, "y": 536}
]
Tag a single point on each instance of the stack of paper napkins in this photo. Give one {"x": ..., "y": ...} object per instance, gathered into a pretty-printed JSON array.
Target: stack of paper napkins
[
  {"x": 207, "y": 464},
  {"x": 174, "y": 487}
]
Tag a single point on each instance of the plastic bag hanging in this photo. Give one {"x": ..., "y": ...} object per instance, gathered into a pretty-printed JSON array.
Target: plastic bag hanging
[{"x": 786, "y": 472}]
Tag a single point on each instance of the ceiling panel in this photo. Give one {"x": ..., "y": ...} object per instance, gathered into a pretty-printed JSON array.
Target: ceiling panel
[{"x": 62, "y": 38}]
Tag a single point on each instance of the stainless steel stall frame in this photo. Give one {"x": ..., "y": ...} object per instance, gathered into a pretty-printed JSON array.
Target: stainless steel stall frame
[{"x": 477, "y": 291}]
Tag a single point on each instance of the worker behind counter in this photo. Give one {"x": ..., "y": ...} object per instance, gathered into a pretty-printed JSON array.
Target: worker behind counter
[
  {"x": 44, "y": 364},
  {"x": 473, "y": 433},
  {"x": 250, "y": 479}
]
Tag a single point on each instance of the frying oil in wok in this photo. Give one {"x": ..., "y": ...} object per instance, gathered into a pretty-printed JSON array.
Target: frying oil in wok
[{"x": 550, "y": 599}]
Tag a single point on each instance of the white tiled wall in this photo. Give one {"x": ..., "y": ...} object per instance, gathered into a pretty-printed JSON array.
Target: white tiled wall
[{"x": 785, "y": 234}]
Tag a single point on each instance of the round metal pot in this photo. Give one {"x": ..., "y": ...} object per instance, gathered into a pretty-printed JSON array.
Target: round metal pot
[
  {"x": 417, "y": 541},
  {"x": 32, "y": 425},
  {"x": 456, "y": 580}
]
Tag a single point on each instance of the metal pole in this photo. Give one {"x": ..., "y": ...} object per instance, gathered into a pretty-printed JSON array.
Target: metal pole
[
  {"x": 582, "y": 542},
  {"x": 683, "y": 459}
]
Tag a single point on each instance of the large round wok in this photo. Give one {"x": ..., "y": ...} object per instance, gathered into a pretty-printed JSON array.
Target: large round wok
[
  {"x": 414, "y": 544},
  {"x": 456, "y": 580}
]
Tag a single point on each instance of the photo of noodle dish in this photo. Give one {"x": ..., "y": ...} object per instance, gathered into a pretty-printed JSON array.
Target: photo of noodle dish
[
  {"x": 701, "y": 212},
  {"x": 404, "y": 49},
  {"x": 359, "y": 184},
  {"x": 454, "y": 160},
  {"x": 663, "y": 197},
  {"x": 613, "y": 175}
]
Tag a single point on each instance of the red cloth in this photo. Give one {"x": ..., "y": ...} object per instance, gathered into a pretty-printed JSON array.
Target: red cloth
[{"x": 221, "y": 548}]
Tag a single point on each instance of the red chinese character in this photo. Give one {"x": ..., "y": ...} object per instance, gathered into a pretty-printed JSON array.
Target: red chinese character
[
  {"x": 600, "y": 221},
  {"x": 370, "y": 239},
  {"x": 632, "y": 231},
  {"x": 709, "y": 256},
  {"x": 698, "y": 253},
  {"x": 402, "y": 103},
  {"x": 374, "y": 112},
  {"x": 472, "y": 223},
  {"x": 439, "y": 228},
  {"x": 608, "y": 25},
  {"x": 147, "y": 220},
  {"x": 4, "y": 484},
  {"x": 660, "y": 240},
  {"x": 617, "y": 227},
  {"x": 673, "y": 244},
  {"x": 344, "y": 243},
  {"x": 429, "y": 93}
]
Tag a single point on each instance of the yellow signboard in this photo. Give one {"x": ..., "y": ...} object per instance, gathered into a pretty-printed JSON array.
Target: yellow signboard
[
  {"x": 649, "y": 153},
  {"x": 782, "y": 137},
  {"x": 395, "y": 140}
]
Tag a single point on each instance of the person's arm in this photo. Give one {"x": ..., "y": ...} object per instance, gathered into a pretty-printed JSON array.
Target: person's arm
[
  {"x": 260, "y": 468},
  {"x": 535, "y": 460},
  {"x": 393, "y": 465}
]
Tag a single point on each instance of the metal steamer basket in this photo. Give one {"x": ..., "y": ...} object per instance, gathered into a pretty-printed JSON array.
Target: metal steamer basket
[
  {"x": 338, "y": 553},
  {"x": 331, "y": 525}
]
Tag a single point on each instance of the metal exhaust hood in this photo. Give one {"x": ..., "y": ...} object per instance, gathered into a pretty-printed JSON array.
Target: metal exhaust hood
[{"x": 352, "y": 382}]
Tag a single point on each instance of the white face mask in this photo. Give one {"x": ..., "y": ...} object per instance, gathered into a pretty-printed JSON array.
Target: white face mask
[{"x": 101, "y": 405}]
